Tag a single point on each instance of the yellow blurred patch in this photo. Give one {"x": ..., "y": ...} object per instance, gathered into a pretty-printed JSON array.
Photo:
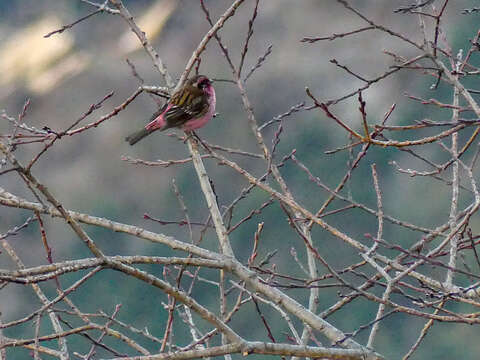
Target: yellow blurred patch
[
  {"x": 151, "y": 22},
  {"x": 65, "y": 69},
  {"x": 26, "y": 53}
]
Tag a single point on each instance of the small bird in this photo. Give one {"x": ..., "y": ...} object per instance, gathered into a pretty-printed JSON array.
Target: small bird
[{"x": 189, "y": 108}]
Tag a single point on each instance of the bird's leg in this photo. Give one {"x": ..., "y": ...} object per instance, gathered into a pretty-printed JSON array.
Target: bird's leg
[
  {"x": 189, "y": 135},
  {"x": 205, "y": 146}
]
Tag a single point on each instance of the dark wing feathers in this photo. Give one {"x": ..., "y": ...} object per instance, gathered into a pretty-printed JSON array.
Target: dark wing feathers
[
  {"x": 189, "y": 103},
  {"x": 157, "y": 113}
]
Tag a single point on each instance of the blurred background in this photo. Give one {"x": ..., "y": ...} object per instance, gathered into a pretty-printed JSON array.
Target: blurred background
[{"x": 64, "y": 74}]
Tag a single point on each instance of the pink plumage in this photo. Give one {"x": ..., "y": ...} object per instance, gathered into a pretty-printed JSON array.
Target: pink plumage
[{"x": 189, "y": 108}]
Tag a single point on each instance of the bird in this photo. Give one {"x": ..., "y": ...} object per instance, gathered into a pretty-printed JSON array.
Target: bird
[{"x": 189, "y": 108}]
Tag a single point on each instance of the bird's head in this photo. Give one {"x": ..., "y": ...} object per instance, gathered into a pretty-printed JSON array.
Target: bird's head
[{"x": 201, "y": 82}]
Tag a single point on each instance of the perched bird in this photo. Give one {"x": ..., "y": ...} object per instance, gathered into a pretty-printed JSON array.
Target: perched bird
[{"x": 189, "y": 108}]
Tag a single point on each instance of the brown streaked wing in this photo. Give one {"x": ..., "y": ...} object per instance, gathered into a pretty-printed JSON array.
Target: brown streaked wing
[{"x": 188, "y": 103}]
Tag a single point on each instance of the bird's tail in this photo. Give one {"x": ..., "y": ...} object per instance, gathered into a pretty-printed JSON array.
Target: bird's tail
[{"x": 137, "y": 136}]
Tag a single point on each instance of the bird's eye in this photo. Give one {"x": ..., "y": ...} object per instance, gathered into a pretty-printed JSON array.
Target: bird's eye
[{"x": 203, "y": 84}]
